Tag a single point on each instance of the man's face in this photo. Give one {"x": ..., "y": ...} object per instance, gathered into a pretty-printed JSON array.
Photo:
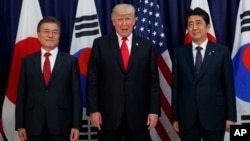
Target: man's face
[
  {"x": 124, "y": 24},
  {"x": 197, "y": 28},
  {"x": 49, "y": 35}
]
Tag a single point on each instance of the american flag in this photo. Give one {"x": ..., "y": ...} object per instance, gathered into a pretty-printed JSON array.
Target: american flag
[{"x": 149, "y": 25}]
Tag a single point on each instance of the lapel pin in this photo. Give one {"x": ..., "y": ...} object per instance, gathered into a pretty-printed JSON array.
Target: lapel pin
[
  {"x": 211, "y": 52},
  {"x": 137, "y": 44}
]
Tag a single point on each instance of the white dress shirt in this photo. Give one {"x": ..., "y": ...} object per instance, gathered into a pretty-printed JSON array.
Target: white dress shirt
[
  {"x": 52, "y": 57},
  {"x": 203, "y": 46}
]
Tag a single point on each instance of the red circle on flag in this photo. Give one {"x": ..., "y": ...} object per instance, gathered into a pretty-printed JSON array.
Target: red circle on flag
[
  {"x": 83, "y": 61},
  {"x": 22, "y": 48},
  {"x": 245, "y": 57}
]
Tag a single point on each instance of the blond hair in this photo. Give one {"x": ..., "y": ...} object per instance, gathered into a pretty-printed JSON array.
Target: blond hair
[{"x": 123, "y": 9}]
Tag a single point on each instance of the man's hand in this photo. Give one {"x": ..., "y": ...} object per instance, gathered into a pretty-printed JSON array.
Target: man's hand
[
  {"x": 22, "y": 134},
  {"x": 74, "y": 134},
  {"x": 152, "y": 120},
  {"x": 176, "y": 126},
  {"x": 96, "y": 119},
  {"x": 228, "y": 123}
]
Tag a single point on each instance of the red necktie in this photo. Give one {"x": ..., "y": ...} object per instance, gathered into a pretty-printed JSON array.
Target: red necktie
[
  {"x": 46, "y": 68},
  {"x": 125, "y": 53}
]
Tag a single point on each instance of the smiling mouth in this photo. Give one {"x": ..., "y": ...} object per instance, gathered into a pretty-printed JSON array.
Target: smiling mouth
[{"x": 195, "y": 33}]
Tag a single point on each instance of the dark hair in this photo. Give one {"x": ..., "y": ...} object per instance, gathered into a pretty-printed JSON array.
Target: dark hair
[
  {"x": 48, "y": 20},
  {"x": 197, "y": 11}
]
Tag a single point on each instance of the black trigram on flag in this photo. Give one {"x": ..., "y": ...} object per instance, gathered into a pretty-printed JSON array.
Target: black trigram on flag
[
  {"x": 86, "y": 26},
  {"x": 245, "y": 119},
  {"x": 245, "y": 21},
  {"x": 85, "y": 30}
]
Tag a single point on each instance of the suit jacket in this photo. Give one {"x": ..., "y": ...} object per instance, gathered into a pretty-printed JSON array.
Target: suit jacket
[
  {"x": 211, "y": 95},
  {"x": 58, "y": 104},
  {"x": 115, "y": 92}
]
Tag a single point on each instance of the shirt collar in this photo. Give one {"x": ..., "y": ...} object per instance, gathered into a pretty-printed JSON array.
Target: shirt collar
[
  {"x": 129, "y": 37},
  {"x": 53, "y": 51},
  {"x": 203, "y": 45}
]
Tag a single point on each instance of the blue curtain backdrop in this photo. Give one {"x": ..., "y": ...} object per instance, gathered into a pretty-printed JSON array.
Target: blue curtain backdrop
[{"x": 223, "y": 13}]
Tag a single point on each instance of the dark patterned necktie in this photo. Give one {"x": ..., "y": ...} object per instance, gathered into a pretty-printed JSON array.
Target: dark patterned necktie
[
  {"x": 46, "y": 68},
  {"x": 124, "y": 53},
  {"x": 198, "y": 60}
]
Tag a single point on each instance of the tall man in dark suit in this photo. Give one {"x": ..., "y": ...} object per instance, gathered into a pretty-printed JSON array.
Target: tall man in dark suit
[
  {"x": 123, "y": 92},
  {"x": 203, "y": 95},
  {"x": 49, "y": 108}
]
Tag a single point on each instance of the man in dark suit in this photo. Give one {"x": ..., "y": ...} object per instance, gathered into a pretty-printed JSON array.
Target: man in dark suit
[
  {"x": 49, "y": 108},
  {"x": 203, "y": 95},
  {"x": 123, "y": 92}
]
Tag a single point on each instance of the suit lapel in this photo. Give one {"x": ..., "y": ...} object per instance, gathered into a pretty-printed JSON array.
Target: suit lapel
[
  {"x": 56, "y": 69},
  {"x": 207, "y": 58},
  {"x": 134, "y": 50},
  {"x": 190, "y": 58},
  {"x": 116, "y": 50},
  {"x": 37, "y": 66}
]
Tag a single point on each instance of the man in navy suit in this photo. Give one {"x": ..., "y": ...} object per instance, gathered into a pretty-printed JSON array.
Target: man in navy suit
[
  {"x": 203, "y": 95},
  {"x": 49, "y": 108},
  {"x": 123, "y": 97}
]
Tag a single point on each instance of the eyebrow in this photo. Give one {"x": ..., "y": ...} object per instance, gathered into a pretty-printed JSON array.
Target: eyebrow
[
  {"x": 195, "y": 21},
  {"x": 50, "y": 30}
]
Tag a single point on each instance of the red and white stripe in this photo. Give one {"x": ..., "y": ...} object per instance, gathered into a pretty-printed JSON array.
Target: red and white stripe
[{"x": 164, "y": 130}]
